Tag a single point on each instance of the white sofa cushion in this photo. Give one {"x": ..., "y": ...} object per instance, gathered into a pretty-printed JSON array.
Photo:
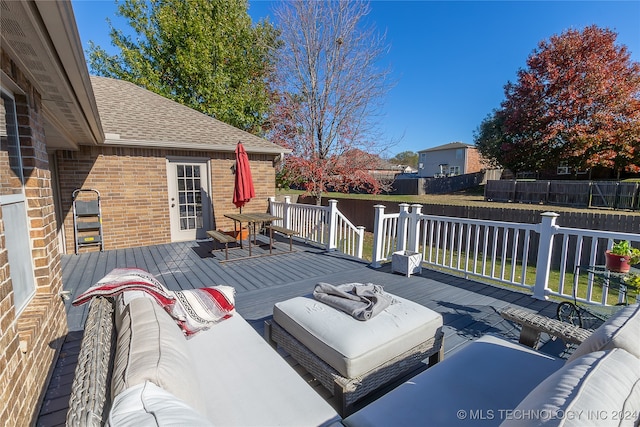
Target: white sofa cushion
[
  {"x": 622, "y": 330},
  {"x": 353, "y": 347},
  {"x": 147, "y": 404},
  {"x": 470, "y": 387},
  {"x": 598, "y": 389},
  {"x": 245, "y": 382},
  {"x": 151, "y": 347}
]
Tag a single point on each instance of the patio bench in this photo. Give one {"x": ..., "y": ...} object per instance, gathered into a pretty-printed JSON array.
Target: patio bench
[
  {"x": 286, "y": 231},
  {"x": 223, "y": 238},
  {"x": 534, "y": 324}
]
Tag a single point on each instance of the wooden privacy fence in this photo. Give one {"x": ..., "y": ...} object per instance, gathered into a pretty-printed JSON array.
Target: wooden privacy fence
[
  {"x": 601, "y": 194},
  {"x": 363, "y": 212}
]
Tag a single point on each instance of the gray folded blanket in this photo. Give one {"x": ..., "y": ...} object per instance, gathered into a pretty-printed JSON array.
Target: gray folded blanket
[{"x": 360, "y": 300}]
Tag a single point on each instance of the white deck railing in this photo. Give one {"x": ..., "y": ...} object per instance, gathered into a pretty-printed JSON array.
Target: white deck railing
[
  {"x": 543, "y": 259},
  {"x": 322, "y": 225}
]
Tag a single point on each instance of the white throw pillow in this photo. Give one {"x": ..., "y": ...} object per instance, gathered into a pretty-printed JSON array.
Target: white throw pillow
[
  {"x": 600, "y": 389},
  {"x": 622, "y": 330},
  {"x": 147, "y": 404}
]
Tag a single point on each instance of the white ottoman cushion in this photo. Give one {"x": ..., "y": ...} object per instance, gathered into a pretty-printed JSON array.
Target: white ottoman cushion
[{"x": 353, "y": 347}]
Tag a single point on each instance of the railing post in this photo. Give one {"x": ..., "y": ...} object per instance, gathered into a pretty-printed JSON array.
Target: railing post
[
  {"x": 272, "y": 199},
  {"x": 403, "y": 221},
  {"x": 414, "y": 227},
  {"x": 360, "y": 241},
  {"x": 376, "y": 256},
  {"x": 286, "y": 221},
  {"x": 333, "y": 222},
  {"x": 547, "y": 230}
]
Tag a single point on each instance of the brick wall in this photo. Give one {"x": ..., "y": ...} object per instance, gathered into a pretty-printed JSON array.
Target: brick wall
[
  {"x": 475, "y": 162},
  {"x": 31, "y": 341},
  {"x": 133, "y": 187}
]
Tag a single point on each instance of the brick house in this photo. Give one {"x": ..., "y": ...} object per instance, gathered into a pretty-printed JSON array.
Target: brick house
[
  {"x": 455, "y": 158},
  {"x": 60, "y": 130},
  {"x": 148, "y": 141}
]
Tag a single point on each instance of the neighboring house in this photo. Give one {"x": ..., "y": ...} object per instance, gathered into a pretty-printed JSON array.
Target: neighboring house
[
  {"x": 385, "y": 170},
  {"x": 455, "y": 158},
  {"x": 61, "y": 130}
]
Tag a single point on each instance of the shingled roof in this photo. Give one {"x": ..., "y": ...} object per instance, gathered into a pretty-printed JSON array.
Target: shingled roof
[
  {"x": 133, "y": 116},
  {"x": 448, "y": 146}
]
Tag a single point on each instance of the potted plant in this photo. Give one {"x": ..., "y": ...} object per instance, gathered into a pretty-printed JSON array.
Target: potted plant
[{"x": 621, "y": 257}]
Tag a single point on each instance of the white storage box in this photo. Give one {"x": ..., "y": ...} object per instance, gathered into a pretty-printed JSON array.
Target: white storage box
[{"x": 406, "y": 262}]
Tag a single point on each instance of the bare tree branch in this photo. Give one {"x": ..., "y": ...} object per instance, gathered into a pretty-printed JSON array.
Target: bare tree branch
[{"x": 330, "y": 65}]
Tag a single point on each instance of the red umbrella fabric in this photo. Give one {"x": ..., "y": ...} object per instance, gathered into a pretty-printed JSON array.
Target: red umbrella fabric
[{"x": 243, "y": 191}]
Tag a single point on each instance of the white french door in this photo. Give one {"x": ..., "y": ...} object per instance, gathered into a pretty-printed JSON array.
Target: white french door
[{"x": 189, "y": 198}]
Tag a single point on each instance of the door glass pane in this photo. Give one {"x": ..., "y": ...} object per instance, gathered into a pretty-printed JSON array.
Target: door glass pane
[
  {"x": 180, "y": 170},
  {"x": 190, "y": 196}
]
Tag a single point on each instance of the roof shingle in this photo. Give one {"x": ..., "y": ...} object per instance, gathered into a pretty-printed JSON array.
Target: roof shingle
[{"x": 131, "y": 115}]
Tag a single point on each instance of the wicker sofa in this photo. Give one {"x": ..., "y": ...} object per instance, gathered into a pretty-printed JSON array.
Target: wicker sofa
[
  {"x": 493, "y": 382},
  {"x": 230, "y": 376},
  {"x": 135, "y": 367}
]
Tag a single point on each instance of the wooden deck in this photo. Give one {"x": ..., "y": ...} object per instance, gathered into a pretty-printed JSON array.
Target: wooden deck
[{"x": 469, "y": 309}]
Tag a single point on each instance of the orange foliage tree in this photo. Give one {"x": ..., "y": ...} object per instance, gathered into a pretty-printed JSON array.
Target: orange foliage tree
[{"x": 578, "y": 101}]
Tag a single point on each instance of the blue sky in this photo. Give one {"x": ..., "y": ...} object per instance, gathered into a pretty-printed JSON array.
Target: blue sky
[{"x": 450, "y": 59}]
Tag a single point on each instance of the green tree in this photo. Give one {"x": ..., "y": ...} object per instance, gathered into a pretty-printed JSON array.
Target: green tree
[
  {"x": 205, "y": 54},
  {"x": 407, "y": 158},
  {"x": 489, "y": 139}
]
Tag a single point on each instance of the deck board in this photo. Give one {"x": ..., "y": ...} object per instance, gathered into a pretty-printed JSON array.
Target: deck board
[{"x": 469, "y": 308}]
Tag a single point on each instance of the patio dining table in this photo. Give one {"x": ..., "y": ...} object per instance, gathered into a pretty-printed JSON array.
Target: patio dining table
[{"x": 251, "y": 219}]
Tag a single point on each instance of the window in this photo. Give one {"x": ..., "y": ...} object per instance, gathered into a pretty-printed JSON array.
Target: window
[
  {"x": 454, "y": 170},
  {"x": 563, "y": 168},
  {"x": 13, "y": 206}
]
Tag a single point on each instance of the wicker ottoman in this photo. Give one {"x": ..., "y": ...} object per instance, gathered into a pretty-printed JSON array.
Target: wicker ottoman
[{"x": 352, "y": 358}]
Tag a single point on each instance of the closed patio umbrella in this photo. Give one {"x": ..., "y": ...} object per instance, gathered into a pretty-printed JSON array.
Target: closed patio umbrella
[{"x": 243, "y": 190}]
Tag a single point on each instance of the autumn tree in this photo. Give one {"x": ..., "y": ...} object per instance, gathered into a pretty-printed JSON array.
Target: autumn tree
[
  {"x": 205, "y": 54},
  {"x": 330, "y": 88},
  {"x": 578, "y": 101}
]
